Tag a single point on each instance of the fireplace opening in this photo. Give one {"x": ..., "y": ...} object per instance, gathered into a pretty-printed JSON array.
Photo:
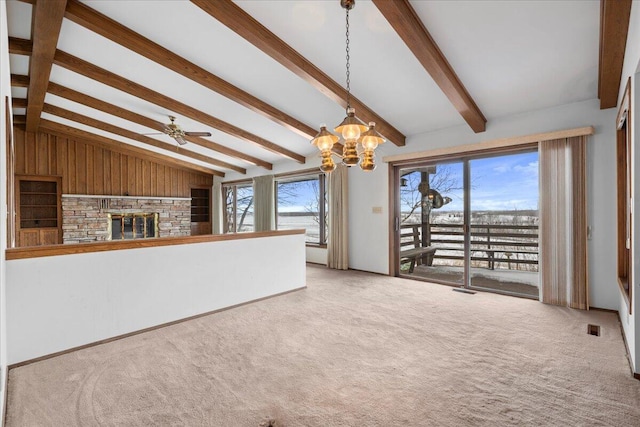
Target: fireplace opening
[{"x": 133, "y": 226}]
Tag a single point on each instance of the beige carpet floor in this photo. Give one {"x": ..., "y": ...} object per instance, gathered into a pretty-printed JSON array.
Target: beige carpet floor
[{"x": 353, "y": 349}]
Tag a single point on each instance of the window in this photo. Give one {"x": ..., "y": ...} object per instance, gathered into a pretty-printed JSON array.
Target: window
[
  {"x": 301, "y": 203},
  {"x": 238, "y": 213}
]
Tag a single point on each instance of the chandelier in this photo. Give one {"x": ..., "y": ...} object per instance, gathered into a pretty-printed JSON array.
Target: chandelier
[{"x": 360, "y": 141}]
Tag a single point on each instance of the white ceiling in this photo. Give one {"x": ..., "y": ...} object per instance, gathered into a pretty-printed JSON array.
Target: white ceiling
[{"x": 512, "y": 56}]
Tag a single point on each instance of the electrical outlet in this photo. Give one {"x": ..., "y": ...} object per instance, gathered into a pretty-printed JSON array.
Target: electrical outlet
[{"x": 376, "y": 209}]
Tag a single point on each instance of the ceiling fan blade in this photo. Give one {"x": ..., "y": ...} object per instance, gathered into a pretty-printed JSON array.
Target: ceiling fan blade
[
  {"x": 198, "y": 133},
  {"x": 180, "y": 140},
  {"x": 155, "y": 133}
]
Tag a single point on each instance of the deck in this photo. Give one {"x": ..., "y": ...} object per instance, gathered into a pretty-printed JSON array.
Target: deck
[{"x": 504, "y": 258}]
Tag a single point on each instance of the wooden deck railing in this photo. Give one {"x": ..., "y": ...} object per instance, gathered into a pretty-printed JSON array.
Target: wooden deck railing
[{"x": 493, "y": 246}]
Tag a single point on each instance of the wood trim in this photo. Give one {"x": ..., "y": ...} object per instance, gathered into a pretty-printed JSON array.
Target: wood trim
[
  {"x": 246, "y": 181},
  {"x": 625, "y": 192},
  {"x": 405, "y": 21},
  {"x": 98, "y": 104},
  {"x": 614, "y": 26},
  {"x": 302, "y": 172},
  {"x": 11, "y": 167},
  {"x": 243, "y": 24},
  {"x": 492, "y": 144},
  {"x": 83, "y": 248},
  {"x": 152, "y": 328},
  {"x": 118, "y": 33},
  {"x": 79, "y": 118},
  {"x": 47, "y": 21},
  {"x": 66, "y": 131},
  {"x": 394, "y": 212}
]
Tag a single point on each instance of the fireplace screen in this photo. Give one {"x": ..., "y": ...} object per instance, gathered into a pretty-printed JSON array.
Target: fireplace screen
[{"x": 134, "y": 226}]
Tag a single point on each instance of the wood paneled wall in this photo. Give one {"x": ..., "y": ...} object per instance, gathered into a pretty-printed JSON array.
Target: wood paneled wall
[{"x": 89, "y": 169}]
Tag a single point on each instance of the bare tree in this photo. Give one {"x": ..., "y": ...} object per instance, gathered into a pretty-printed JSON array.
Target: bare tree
[
  {"x": 243, "y": 206},
  {"x": 444, "y": 181}
]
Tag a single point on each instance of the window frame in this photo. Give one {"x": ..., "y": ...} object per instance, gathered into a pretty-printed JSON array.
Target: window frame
[
  {"x": 322, "y": 202},
  {"x": 233, "y": 187},
  {"x": 625, "y": 190}
]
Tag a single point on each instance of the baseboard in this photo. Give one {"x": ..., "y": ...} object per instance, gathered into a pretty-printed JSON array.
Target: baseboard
[
  {"x": 141, "y": 331},
  {"x": 5, "y": 395},
  {"x": 624, "y": 340},
  {"x": 606, "y": 310}
]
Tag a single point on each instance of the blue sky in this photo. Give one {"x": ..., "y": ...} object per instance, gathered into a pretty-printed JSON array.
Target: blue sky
[{"x": 505, "y": 182}]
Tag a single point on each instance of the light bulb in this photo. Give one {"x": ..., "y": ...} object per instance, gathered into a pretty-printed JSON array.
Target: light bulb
[
  {"x": 369, "y": 142},
  {"x": 351, "y": 132},
  {"x": 324, "y": 143}
]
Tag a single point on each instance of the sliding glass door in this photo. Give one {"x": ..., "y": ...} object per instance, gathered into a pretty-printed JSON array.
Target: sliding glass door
[
  {"x": 470, "y": 222},
  {"x": 504, "y": 223},
  {"x": 431, "y": 222}
]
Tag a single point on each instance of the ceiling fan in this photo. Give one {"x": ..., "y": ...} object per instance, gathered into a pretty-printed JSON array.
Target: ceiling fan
[{"x": 176, "y": 132}]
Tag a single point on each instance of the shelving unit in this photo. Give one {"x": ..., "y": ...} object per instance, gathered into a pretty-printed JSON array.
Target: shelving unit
[
  {"x": 38, "y": 216},
  {"x": 200, "y": 211}
]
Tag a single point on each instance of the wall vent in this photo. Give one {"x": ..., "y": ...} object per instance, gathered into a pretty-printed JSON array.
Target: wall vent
[
  {"x": 593, "y": 330},
  {"x": 104, "y": 203}
]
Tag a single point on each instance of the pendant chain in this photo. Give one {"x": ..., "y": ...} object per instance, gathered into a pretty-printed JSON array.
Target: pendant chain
[{"x": 348, "y": 72}]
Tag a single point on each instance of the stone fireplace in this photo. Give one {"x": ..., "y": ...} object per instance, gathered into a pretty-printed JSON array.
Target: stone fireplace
[{"x": 89, "y": 218}]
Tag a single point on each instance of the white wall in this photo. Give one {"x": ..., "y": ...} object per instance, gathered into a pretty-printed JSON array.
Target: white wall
[
  {"x": 60, "y": 302},
  {"x": 631, "y": 323},
  {"x": 5, "y": 90},
  {"x": 316, "y": 255}
]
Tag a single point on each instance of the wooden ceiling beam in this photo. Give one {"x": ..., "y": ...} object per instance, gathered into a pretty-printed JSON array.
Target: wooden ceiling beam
[
  {"x": 174, "y": 148},
  {"x": 89, "y": 101},
  {"x": 19, "y": 81},
  {"x": 18, "y": 103},
  {"x": 614, "y": 26},
  {"x": 47, "y": 21},
  {"x": 19, "y": 119},
  {"x": 20, "y": 46},
  {"x": 71, "y": 132},
  {"x": 118, "y": 33},
  {"x": 412, "y": 31},
  {"x": 108, "y": 78},
  {"x": 257, "y": 34}
]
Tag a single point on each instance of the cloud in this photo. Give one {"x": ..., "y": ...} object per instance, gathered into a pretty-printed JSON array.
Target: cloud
[
  {"x": 502, "y": 169},
  {"x": 530, "y": 169}
]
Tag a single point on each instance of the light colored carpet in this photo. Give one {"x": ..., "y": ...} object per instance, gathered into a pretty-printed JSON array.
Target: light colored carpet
[{"x": 354, "y": 349}]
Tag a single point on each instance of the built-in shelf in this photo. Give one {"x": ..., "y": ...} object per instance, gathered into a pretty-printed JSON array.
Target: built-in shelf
[{"x": 38, "y": 216}]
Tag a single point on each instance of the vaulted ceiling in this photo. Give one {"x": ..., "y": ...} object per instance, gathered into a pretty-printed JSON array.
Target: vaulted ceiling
[{"x": 261, "y": 76}]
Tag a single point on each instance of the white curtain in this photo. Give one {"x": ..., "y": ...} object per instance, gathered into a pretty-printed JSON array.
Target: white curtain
[
  {"x": 264, "y": 198},
  {"x": 563, "y": 223},
  {"x": 338, "y": 221},
  {"x": 217, "y": 205}
]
